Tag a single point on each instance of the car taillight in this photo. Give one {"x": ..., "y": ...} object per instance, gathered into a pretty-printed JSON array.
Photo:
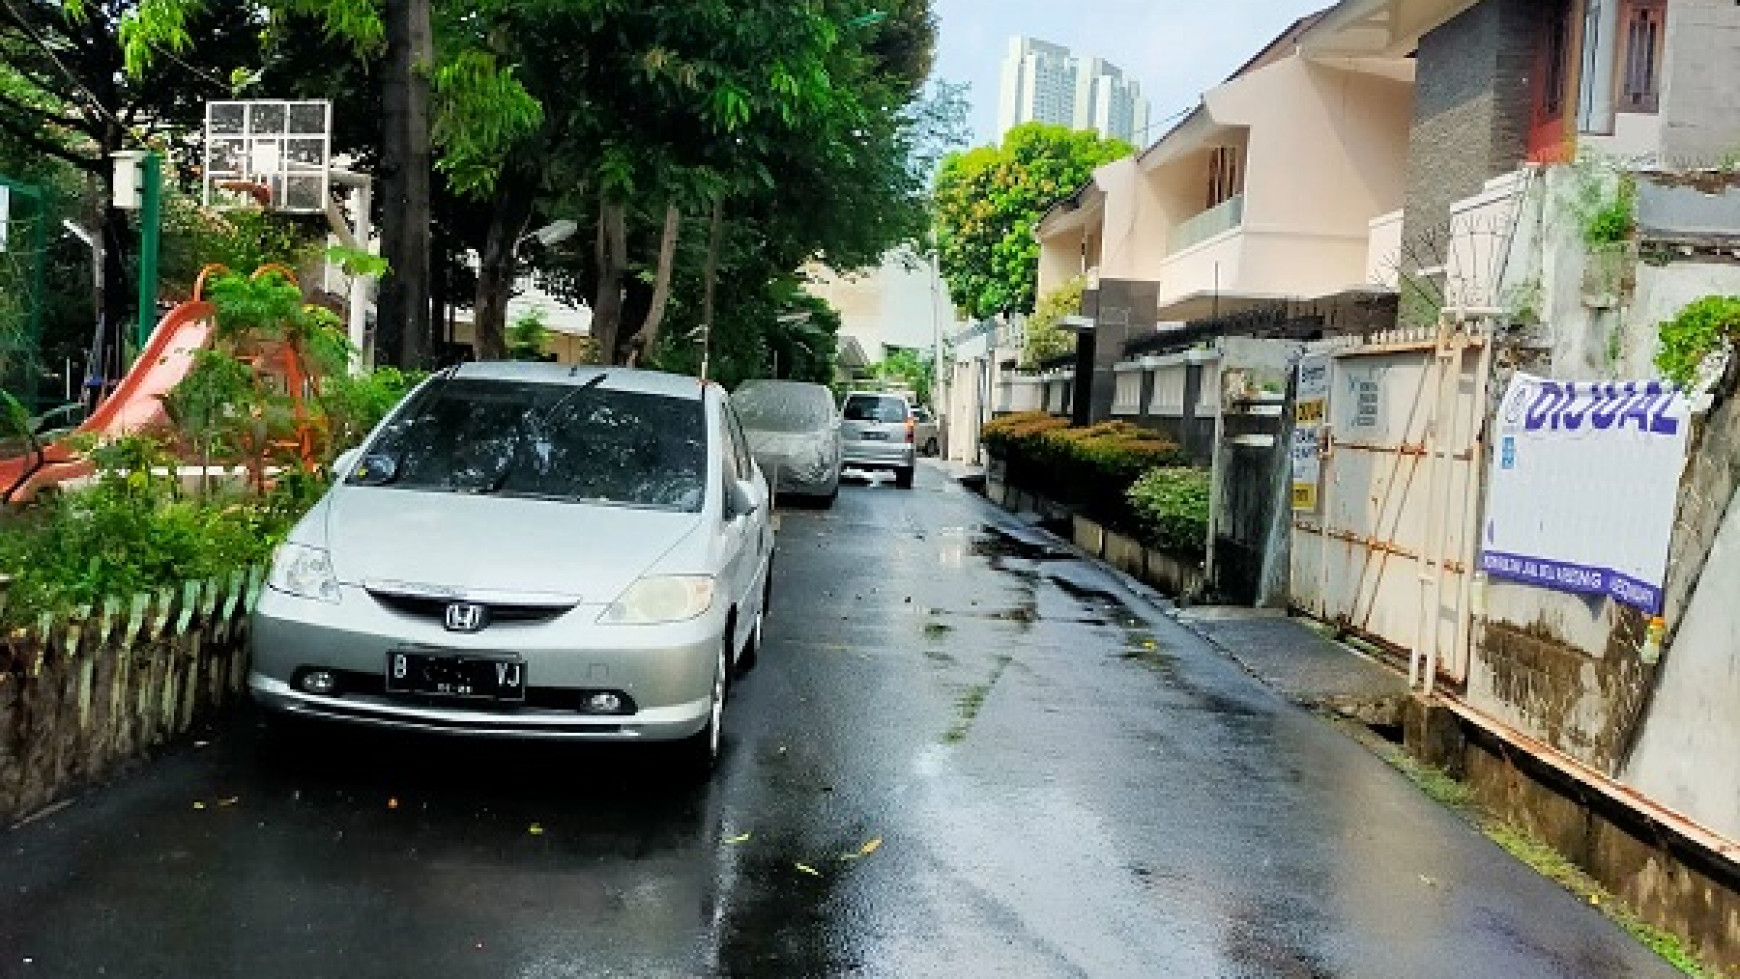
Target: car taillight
[{"x": 911, "y": 430}]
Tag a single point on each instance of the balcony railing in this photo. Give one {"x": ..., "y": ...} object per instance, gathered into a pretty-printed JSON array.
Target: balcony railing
[{"x": 1225, "y": 216}]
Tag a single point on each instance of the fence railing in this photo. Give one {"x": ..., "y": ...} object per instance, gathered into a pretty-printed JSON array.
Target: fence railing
[
  {"x": 1222, "y": 217},
  {"x": 82, "y": 693}
]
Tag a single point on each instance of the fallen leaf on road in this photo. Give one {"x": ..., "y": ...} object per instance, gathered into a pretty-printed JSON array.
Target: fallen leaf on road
[
  {"x": 739, "y": 839},
  {"x": 806, "y": 868},
  {"x": 232, "y": 800},
  {"x": 393, "y": 803},
  {"x": 199, "y": 805},
  {"x": 865, "y": 850},
  {"x": 1429, "y": 882},
  {"x": 536, "y": 829}
]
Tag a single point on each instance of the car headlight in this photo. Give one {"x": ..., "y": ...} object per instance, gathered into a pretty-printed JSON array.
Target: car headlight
[
  {"x": 305, "y": 572},
  {"x": 661, "y": 599}
]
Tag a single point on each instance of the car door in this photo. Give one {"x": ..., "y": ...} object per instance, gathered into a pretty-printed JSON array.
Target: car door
[{"x": 748, "y": 537}]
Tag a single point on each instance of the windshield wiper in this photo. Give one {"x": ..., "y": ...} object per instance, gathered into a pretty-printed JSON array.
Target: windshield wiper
[{"x": 526, "y": 423}]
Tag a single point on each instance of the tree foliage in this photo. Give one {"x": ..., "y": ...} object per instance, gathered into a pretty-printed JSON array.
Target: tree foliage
[
  {"x": 1046, "y": 338},
  {"x": 988, "y": 202}
]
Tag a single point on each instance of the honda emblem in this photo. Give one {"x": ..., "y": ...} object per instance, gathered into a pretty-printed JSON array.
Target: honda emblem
[{"x": 466, "y": 617}]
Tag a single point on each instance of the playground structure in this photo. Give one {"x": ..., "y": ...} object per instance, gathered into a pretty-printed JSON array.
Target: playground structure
[
  {"x": 267, "y": 154},
  {"x": 137, "y": 404}
]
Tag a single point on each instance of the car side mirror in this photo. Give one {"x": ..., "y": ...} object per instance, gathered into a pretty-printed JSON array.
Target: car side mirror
[
  {"x": 739, "y": 500},
  {"x": 345, "y": 462}
]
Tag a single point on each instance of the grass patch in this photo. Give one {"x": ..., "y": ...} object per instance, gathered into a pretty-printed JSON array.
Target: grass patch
[{"x": 968, "y": 705}]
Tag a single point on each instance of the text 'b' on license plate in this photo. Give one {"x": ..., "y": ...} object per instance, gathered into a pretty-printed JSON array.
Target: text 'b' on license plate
[{"x": 456, "y": 676}]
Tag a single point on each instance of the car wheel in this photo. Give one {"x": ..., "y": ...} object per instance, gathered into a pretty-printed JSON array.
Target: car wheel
[
  {"x": 700, "y": 751},
  {"x": 903, "y": 478},
  {"x": 833, "y": 495}
]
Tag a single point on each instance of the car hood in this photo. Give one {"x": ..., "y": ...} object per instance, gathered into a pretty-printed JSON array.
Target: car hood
[{"x": 494, "y": 546}]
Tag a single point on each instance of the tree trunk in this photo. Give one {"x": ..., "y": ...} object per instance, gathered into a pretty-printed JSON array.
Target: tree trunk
[
  {"x": 402, "y": 329},
  {"x": 498, "y": 265},
  {"x": 612, "y": 248},
  {"x": 648, "y": 334}
]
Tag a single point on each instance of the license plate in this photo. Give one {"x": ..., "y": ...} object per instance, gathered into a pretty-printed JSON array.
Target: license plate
[
  {"x": 464, "y": 677},
  {"x": 873, "y": 436}
]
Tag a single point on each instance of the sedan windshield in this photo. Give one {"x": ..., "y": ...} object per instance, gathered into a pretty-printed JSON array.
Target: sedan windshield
[
  {"x": 785, "y": 408},
  {"x": 545, "y": 441}
]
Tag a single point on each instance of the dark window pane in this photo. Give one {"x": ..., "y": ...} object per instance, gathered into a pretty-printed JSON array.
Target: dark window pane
[{"x": 871, "y": 408}]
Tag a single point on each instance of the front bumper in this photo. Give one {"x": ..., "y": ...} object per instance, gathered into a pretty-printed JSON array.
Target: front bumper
[{"x": 666, "y": 670}]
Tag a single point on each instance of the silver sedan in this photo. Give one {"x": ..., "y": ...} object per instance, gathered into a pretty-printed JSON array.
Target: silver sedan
[{"x": 528, "y": 550}]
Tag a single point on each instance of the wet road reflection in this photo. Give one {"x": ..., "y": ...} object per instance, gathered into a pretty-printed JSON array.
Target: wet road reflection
[{"x": 965, "y": 753}]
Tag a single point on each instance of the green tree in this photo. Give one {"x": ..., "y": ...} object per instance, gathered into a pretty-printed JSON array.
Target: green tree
[
  {"x": 65, "y": 96},
  {"x": 1045, "y": 338},
  {"x": 915, "y": 369},
  {"x": 988, "y": 202}
]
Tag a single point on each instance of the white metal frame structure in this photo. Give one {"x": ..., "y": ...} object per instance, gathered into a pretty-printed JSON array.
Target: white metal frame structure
[{"x": 1388, "y": 553}]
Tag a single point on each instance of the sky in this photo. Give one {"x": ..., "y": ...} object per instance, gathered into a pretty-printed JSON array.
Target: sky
[{"x": 1177, "y": 50}]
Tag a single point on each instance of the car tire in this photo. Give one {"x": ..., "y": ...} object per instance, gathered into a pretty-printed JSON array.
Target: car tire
[
  {"x": 903, "y": 478},
  {"x": 699, "y": 752},
  {"x": 833, "y": 496}
]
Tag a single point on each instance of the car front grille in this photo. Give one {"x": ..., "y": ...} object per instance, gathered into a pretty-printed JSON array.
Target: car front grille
[{"x": 435, "y": 609}]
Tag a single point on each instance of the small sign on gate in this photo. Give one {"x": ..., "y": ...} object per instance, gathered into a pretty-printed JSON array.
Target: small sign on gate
[{"x": 1310, "y": 411}]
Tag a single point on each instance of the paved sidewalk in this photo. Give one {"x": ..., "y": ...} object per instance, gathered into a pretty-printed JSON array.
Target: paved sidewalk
[{"x": 1290, "y": 655}]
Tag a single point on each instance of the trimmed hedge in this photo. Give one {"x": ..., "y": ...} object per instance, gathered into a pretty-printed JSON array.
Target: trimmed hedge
[
  {"x": 1172, "y": 505},
  {"x": 1089, "y": 468}
]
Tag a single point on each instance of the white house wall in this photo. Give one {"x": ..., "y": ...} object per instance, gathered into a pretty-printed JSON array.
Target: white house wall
[
  {"x": 1692, "y": 723},
  {"x": 1701, "y": 82}
]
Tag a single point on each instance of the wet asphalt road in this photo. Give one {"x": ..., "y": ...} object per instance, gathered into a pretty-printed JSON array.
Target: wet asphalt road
[{"x": 1062, "y": 784}]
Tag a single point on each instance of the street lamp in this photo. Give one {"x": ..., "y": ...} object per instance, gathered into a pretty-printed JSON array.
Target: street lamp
[{"x": 553, "y": 233}]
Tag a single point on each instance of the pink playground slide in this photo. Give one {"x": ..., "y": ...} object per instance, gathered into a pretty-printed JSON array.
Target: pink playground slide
[{"x": 136, "y": 404}]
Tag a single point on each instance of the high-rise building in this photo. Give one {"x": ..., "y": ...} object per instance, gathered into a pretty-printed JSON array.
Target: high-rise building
[{"x": 1044, "y": 82}]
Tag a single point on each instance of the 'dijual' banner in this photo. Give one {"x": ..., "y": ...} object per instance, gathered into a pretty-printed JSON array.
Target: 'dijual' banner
[{"x": 1584, "y": 486}]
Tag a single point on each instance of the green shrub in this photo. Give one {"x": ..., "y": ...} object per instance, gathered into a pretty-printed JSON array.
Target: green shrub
[
  {"x": 1688, "y": 340},
  {"x": 1172, "y": 504},
  {"x": 133, "y": 530},
  {"x": 354, "y": 405},
  {"x": 1090, "y": 468}
]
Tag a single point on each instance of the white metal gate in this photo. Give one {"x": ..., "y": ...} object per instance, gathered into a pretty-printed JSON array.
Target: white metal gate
[{"x": 1386, "y": 550}]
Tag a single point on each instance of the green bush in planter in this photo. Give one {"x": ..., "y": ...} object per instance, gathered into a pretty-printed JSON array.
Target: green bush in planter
[
  {"x": 1090, "y": 468},
  {"x": 1172, "y": 505}
]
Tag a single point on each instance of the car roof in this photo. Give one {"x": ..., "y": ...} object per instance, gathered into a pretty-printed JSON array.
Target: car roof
[
  {"x": 768, "y": 382},
  {"x": 617, "y": 378}
]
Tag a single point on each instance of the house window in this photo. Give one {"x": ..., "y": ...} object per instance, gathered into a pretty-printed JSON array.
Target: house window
[
  {"x": 1224, "y": 179},
  {"x": 1643, "y": 30},
  {"x": 1556, "y": 75}
]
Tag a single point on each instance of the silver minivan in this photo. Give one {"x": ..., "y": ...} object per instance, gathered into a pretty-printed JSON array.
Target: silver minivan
[
  {"x": 879, "y": 432},
  {"x": 530, "y": 551}
]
